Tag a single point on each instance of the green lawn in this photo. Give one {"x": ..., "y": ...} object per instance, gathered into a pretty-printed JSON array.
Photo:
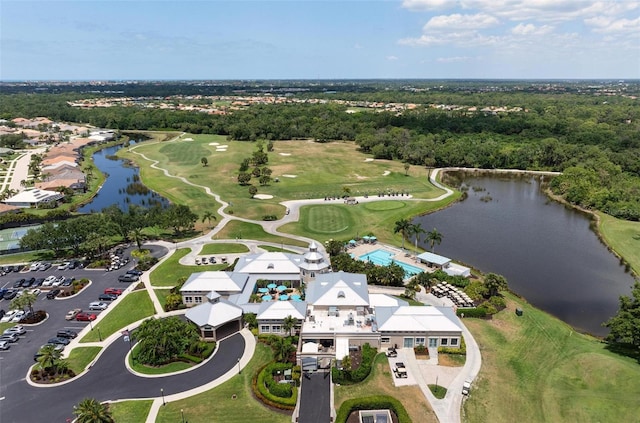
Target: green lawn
[
  {"x": 218, "y": 404},
  {"x": 80, "y": 357},
  {"x": 624, "y": 238},
  {"x": 244, "y": 230},
  {"x": 162, "y": 295},
  {"x": 224, "y": 249},
  {"x": 537, "y": 366},
  {"x": 275, "y": 249},
  {"x": 343, "y": 222},
  {"x": 135, "y": 306},
  {"x": 24, "y": 257},
  {"x": 295, "y": 163},
  {"x": 168, "y": 273},
  {"x": 134, "y": 411},
  {"x": 169, "y": 368}
]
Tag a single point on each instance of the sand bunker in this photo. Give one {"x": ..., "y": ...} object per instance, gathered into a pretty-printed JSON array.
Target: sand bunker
[
  {"x": 188, "y": 139},
  {"x": 263, "y": 196},
  {"x": 221, "y": 149},
  {"x": 369, "y": 160},
  {"x": 222, "y": 146},
  {"x": 386, "y": 172},
  {"x": 285, "y": 154},
  {"x": 290, "y": 176},
  {"x": 214, "y": 143}
]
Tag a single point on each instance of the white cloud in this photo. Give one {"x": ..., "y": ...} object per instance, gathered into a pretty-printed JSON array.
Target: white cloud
[
  {"x": 531, "y": 29},
  {"x": 455, "y": 59},
  {"x": 392, "y": 58},
  {"x": 458, "y": 21},
  {"x": 603, "y": 24},
  {"x": 428, "y": 4}
]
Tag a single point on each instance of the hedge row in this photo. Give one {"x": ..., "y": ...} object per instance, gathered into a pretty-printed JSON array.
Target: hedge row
[
  {"x": 378, "y": 402},
  {"x": 345, "y": 377},
  {"x": 479, "y": 312},
  {"x": 449, "y": 350},
  {"x": 282, "y": 390},
  {"x": 263, "y": 394}
]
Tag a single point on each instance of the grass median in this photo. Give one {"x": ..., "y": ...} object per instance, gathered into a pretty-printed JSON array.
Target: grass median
[
  {"x": 230, "y": 248},
  {"x": 135, "y": 306},
  {"x": 537, "y": 366},
  {"x": 80, "y": 357},
  {"x": 169, "y": 271},
  {"x": 130, "y": 411},
  {"x": 380, "y": 381},
  {"x": 231, "y": 402}
]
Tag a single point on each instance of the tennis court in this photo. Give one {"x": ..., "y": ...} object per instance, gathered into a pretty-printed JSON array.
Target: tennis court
[{"x": 10, "y": 238}]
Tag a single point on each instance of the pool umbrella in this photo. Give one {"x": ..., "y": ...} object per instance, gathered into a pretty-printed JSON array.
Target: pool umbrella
[
  {"x": 373, "y": 238},
  {"x": 295, "y": 297},
  {"x": 366, "y": 238},
  {"x": 263, "y": 290},
  {"x": 353, "y": 241},
  {"x": 272, "y": 286},
  {"x": 266, "y": 298},
  {"x": 284, "y": 297},
  {"x": 281, "y": 288}
]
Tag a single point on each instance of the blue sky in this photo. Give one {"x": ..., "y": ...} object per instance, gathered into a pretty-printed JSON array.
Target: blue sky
[{"x": 209, "y": 39}]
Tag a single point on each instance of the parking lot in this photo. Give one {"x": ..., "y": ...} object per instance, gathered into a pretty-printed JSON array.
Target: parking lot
[{"x": 15, "y": 362}]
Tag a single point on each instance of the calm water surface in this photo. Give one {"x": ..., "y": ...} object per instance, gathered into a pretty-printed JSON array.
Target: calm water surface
[
  {"x": 119, "y": 176},
  {"x": 548, "y": 253}
]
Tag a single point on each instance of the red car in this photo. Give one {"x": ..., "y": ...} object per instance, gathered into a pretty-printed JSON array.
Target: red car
[
  {"x": 85, "y": 317},
  {"x": 114, "y": 291}
]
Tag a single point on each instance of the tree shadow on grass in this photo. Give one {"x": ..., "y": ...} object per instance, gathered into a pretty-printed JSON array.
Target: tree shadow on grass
[{"x": 626, "y": 350}]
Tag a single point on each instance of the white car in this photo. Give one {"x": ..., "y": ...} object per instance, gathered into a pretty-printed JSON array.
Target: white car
[
  {"x": 98, "y": 305},
  {"x": 64, "y": 266},
  {"x": 466, "y": 387},
  {"x": 17, "y": 329},
  {"x": 18, "y": 316},
  {"x": 4, "y": 345},
  {"x": 7, "y": 317},
  {"x": 34, "y": 266},
  {"x": 49, "y": 280},
  {"x": 36, "y": 291}
]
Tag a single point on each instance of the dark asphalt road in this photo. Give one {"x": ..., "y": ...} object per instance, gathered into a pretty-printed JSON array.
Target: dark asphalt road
[
  {"x": 108, "y": 379},
  {"x": 315, "y": 404}
]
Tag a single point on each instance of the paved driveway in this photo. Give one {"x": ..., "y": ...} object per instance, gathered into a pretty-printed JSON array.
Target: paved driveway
[{"x": 315, "y": 398}]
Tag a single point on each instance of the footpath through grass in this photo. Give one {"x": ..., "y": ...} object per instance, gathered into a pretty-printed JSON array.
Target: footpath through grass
[
  {"x": 135, "y": 306},
  {"x": 623, "y": 237},
  {"x": 537, "y": 368},
  {"x": 218, "y": 404},
  {"x": 380, "y": 382},
  {"x": 169, "y": 271}
]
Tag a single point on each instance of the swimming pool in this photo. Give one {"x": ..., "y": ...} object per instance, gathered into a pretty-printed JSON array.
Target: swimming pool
[{"x": 383, "y": 257}]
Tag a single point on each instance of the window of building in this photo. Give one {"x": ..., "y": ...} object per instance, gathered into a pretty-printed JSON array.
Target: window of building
[
  {"x": 444, "y": 341},
  {"x": 420, "y": 341},
  {"x": 276, "y": 329},
  {"x": 385, "y": 340},
  {"x": 265, "y": 328},
  {"x": 454, "y": 341},
  {"x": 198, "y": 300},
  {"x": 341, "y": 294},
  {"x": 188, "y": 300}
]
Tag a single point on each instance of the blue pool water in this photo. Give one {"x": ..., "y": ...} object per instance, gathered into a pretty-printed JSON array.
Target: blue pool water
[{"x": 382, "y": 257}]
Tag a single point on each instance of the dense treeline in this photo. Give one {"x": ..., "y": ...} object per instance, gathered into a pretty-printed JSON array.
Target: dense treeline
[{"x": 595, "y": 140}]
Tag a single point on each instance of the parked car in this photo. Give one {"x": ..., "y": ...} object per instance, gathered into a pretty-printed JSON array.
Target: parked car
[
  {"x": 71, "y": 314},
  {"x": 98, "y": 305},
  {"x": 64, "y": 266},
  {"x": 17, "y": 329},
  {"x": 58, "y": 340},
  {"x": 466, "y": 387},
  {"x": 52, "y": 294},
  {"x": 9, "y": 337},
  {"x": 127, "y": 277},
  {"x": 18, "y": 316},
  {"x": 18, "y": 283},
  {"x": 34, "y": 266},
  {"x": 45, "y": 265},
  {"x": 4, "y": 345},
  {"x": 113, "y": 291},
  {"x": 8, "y": 316},
  {"x": 203, "y": 260},
  {"x": 7, "y": 269},
  {"x": 107, "y": 297},
  {"x": 10, "y": 294},
  {"x": 28, "y": 282},
  {"x": 38, "y": 282},
  {"x": 66, "y": 333},
  {"x": 135, "y": 272},
  {"x": 49, "y": 280},
  {"x": 36, "y": 291},
  {"x": 85, "y": 317},
  {"x": 38, "y": 354},
  {"x": 3, "y": 291},
  {"x": 2, "y": 313},
  {"x": 68, "y": 281}
]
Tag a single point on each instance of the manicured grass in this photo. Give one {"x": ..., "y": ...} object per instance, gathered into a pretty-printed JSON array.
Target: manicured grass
[
  {"x": 624, "y": 238},
  {"x": 168, "y": 273},
  {"x": 451, "y": 360},
  {"x": 539, "y": 367},
  {"x": 438, "y": 391},
  {"x": 20, "y": 257},
  {"x": 218, "y": 405},
  {"x": 380, "y": 381},
  {"x": 343, "y": 222},
  {"x": 162, "y": 295},
  {"x": 244, "y": 230},
  {"x": 135, "y": 306},
  {"x": 223, "y": 249},
  {"x": 147, "y": 370},
  {"x": 80, "y": 357},
  {"x": 130, "y": 411},
  {"x": 341, "y": 165},
  {"x": 275, "y": 249}
]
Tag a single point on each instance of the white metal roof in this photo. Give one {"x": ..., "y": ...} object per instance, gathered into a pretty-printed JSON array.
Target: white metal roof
[
  {"x": 213, "y": 314},
  {"x": 278, "y": 310},
  {"x": 434, "y": 258},
  {"x": 215, "y": 281},
  {"x": 414, "y": 319},
  {"x": 271, "y": 262},
  {"x": 338, "y": 289}
]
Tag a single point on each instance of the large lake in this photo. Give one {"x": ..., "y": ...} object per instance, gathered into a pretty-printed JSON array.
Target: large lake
[
  {"x": 547, "y": 252},
  {"x": 120, "y": 186}
]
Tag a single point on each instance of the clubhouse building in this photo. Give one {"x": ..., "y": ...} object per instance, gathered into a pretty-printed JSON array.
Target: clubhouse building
[{"x": 336, "y": 313}]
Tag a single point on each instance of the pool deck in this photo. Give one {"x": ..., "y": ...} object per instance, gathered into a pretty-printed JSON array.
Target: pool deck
[{"x": 400, "y": 255}]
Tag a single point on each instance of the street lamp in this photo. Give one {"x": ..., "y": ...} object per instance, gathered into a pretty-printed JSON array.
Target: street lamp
[
  {"x": 99, "y": 335},
  {"x": 182, "y": 414},
  {"x": 162, "y": 393},
  {"x": 239, "y": 369}
]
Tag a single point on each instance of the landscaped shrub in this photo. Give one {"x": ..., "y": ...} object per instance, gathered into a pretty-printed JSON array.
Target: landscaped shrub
[
  {"x": 450, "y": 350},
  {"x": 378, "y": 402},
  {"x": 498, "y": 302},
  {"x": 261, "y": 392},
  {"x": 346, "y": 377},
  {"x": 479, "y": 312}
]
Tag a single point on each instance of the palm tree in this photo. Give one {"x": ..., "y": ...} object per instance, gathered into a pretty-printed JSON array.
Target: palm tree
[
  {"x": 91, "y": 411},
  {"x": 434, "y": 237},
  {"x": 402, "y": 226},
  {"x": 289, "y": 323},
  {"x": 49, "y": 356},
  {"x": 282, "y": 348},
  {"x": 25, "y": 300},
  {"x": 416, "y": 230}
]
